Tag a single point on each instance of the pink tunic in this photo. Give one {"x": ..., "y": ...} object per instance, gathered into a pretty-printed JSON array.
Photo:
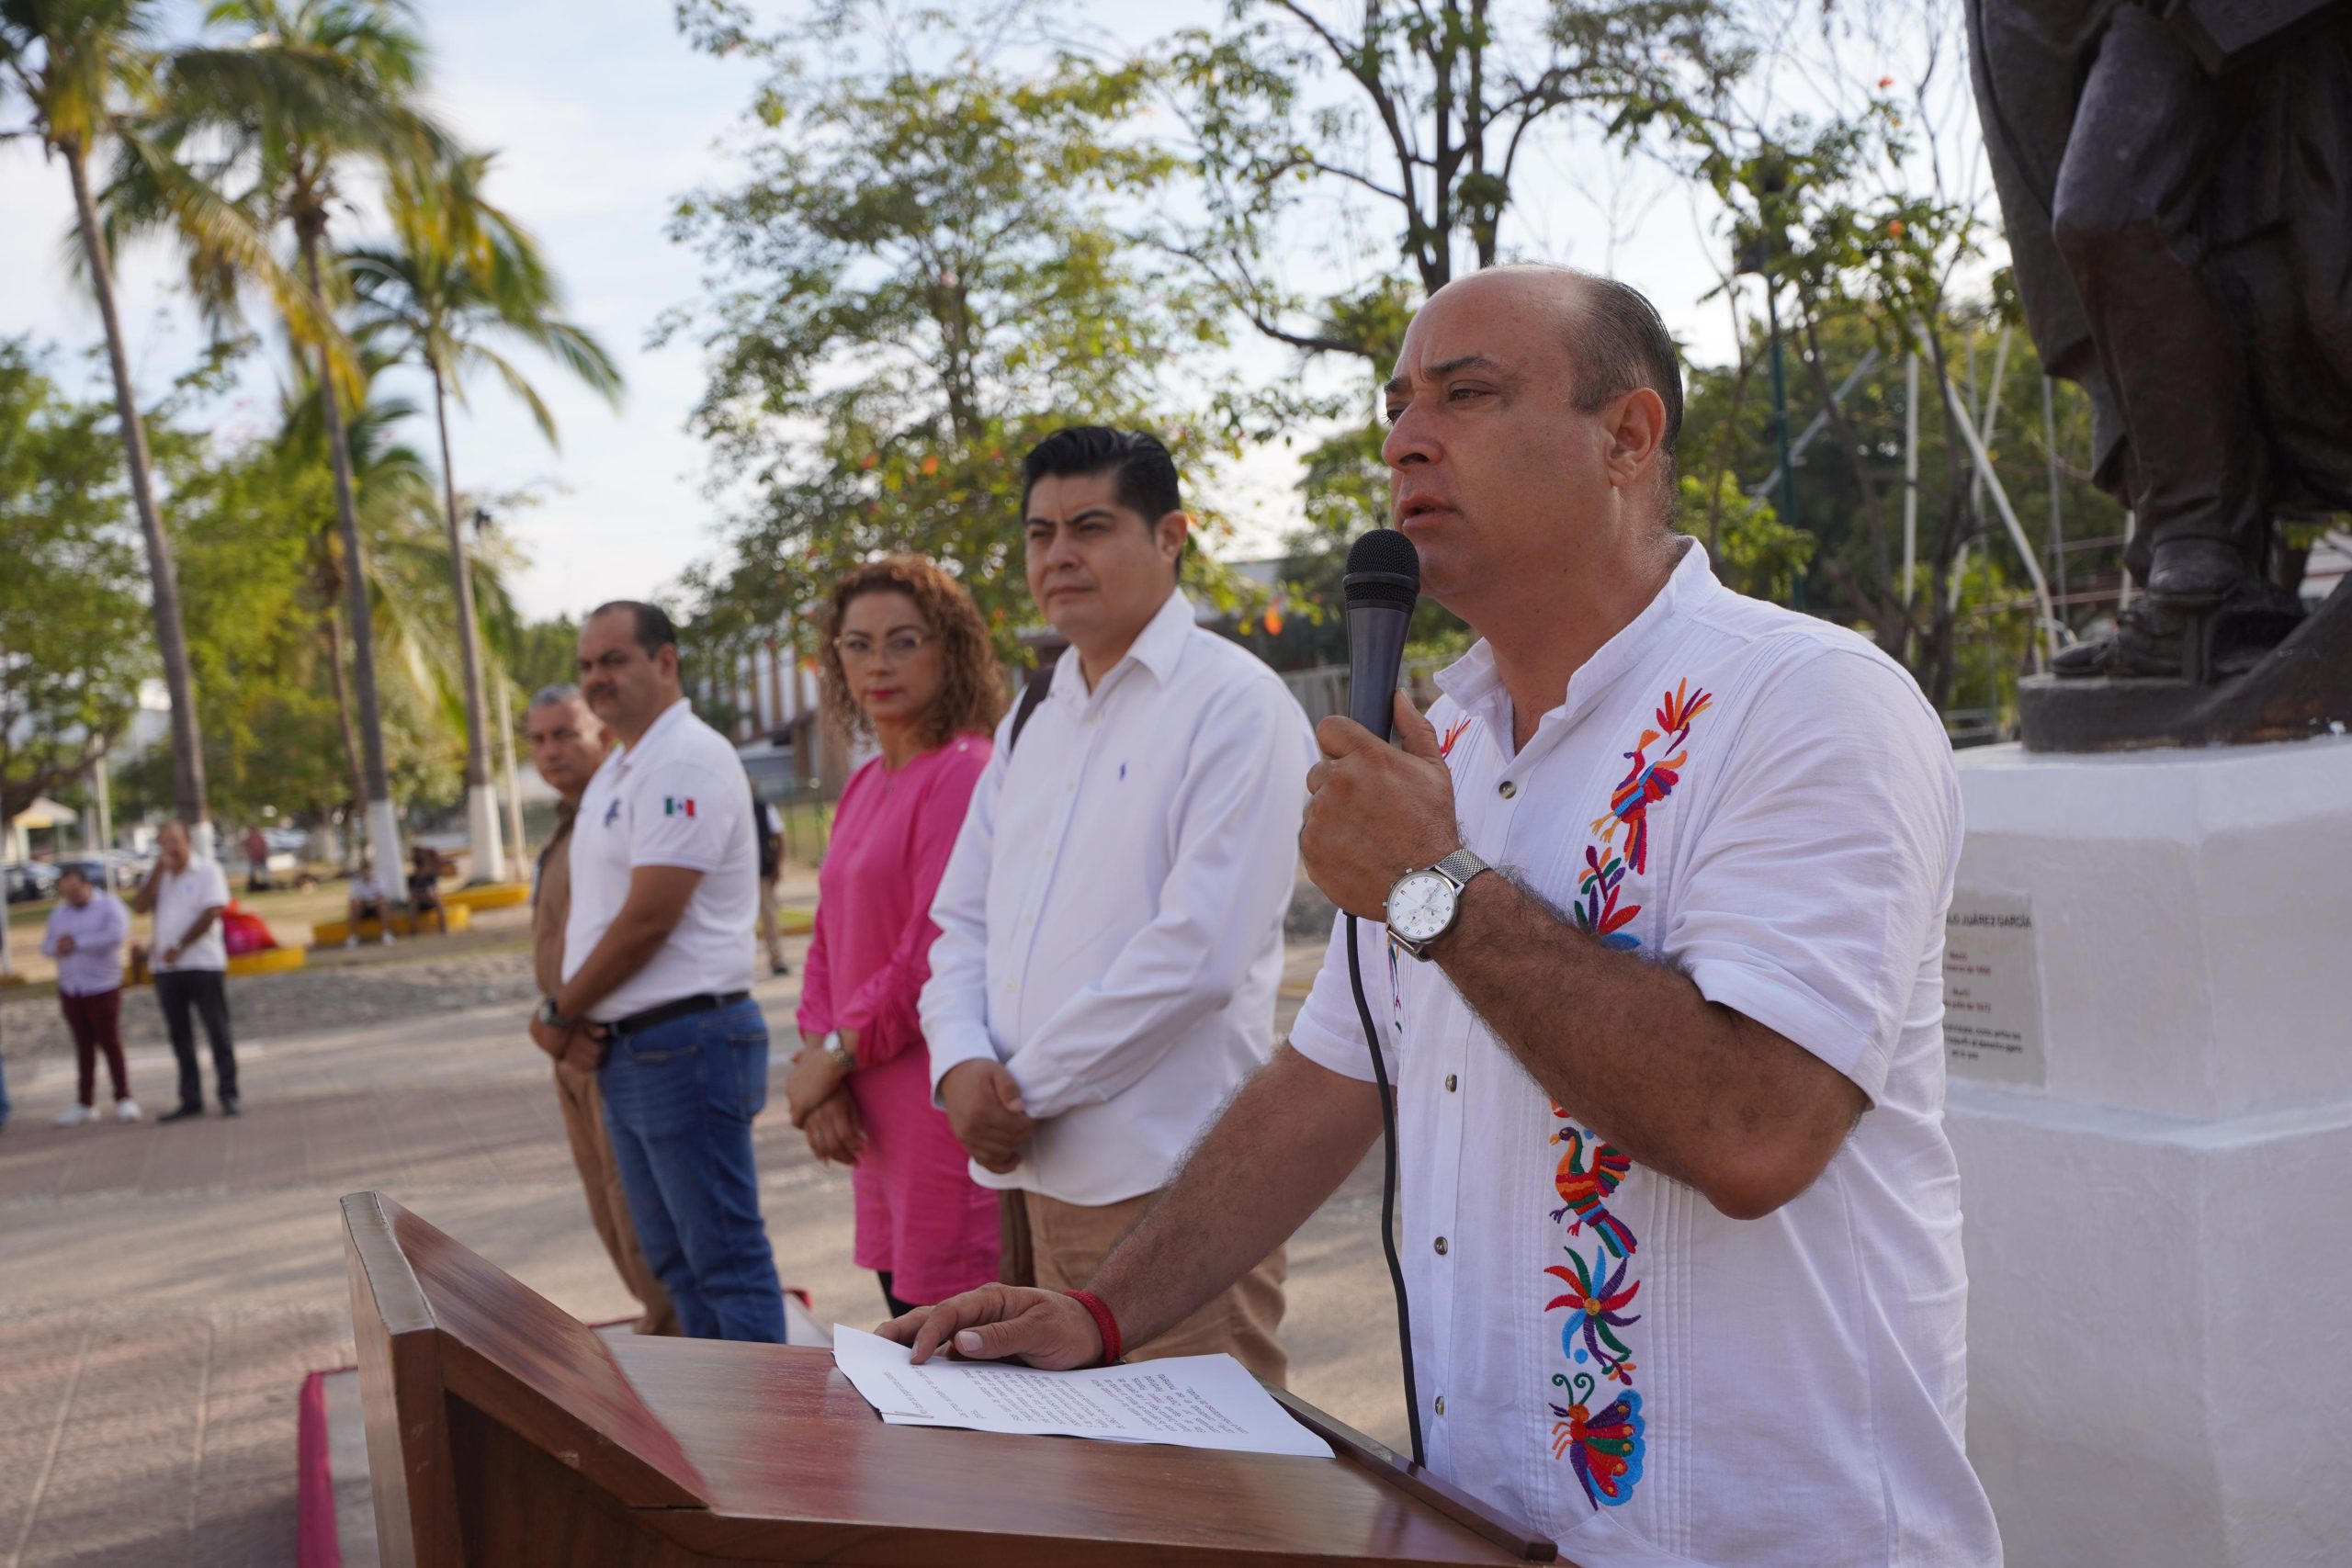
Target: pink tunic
[{"x": 920, "y": 1214}]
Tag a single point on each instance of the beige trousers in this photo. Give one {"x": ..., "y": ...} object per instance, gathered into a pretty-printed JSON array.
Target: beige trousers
[
  {"x": 1069, "y": 1242},
  {"x": 591, "y": 1151}
]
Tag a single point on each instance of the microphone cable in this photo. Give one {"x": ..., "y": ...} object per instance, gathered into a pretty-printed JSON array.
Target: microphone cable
[{"x": 1389, "y": 1192}]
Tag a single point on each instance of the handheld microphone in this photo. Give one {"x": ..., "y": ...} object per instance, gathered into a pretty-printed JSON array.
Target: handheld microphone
[{"x": 1383, "y": 578}]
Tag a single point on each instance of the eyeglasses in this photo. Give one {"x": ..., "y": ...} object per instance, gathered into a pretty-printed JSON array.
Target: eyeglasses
[{"x": 897, "y": 647}]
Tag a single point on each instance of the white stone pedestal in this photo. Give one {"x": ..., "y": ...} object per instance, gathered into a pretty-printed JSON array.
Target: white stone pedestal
[{"x": 2154, "y": 1129}]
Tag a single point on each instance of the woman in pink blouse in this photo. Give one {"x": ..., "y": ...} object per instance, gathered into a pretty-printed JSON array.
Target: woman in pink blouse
[{"x": 907, "y": 663}]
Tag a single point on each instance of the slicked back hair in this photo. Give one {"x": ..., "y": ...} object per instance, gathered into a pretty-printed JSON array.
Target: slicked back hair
[
  {"x": 1144, "y": 475},
  {"x": 653, "y": 632}
]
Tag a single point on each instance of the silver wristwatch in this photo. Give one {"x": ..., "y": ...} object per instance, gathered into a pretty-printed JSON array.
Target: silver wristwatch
[
  {"x": 1423, "y": 905},
  {"x": 833, "y": 1046}
]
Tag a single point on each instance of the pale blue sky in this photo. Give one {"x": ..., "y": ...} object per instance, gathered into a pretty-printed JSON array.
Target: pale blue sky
[{"x": 602, "y": 116}]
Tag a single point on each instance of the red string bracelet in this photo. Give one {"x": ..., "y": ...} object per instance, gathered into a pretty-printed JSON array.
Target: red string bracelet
[{"x": 1104, "y": 1324}]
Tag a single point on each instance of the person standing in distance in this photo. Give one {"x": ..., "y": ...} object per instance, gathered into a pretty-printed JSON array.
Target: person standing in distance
[
  {"x": 190, "y": 963},
  {"x": 657, "y": 961},
  {"x": 1111, "y": 920},
  {"x": 85, "y": 934},
  {"x": 568, "y": 745}
]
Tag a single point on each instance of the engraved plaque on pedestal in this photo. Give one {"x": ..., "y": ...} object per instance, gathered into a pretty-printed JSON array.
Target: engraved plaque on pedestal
[{"x": 1991, "y": 989}]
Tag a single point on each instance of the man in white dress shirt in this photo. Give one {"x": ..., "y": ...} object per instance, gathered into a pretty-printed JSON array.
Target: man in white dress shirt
[
  {"x": 1680, "y": 1223},
  {"x": 1111, "y": 920}
]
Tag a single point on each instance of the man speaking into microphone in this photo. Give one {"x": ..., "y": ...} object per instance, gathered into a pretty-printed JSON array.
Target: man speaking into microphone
[{"x": 1680, "y": 1225}]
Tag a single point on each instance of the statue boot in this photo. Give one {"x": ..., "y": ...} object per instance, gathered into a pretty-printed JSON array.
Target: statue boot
[
  {"x": 2155, "y": 642},
  {"x": 2194, "y": 574}
]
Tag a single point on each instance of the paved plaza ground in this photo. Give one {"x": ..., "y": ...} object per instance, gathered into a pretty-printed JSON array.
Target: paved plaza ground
[{"x": 164, "y": 1290}]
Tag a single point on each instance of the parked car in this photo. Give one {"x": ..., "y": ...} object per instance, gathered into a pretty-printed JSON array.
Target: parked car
[
  {"x": 31, "y": 881},
  {"x": 125, "y": 869}
]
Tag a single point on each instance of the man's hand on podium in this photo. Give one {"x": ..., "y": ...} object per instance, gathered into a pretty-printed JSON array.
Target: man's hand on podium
[{"x": 1002, "y": 1323}]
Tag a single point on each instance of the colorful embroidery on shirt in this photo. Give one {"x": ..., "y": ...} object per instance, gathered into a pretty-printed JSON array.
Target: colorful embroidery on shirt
[
  {"x": 1586, "y": 1190},
  {"x": 1453, "y": 733},
  {"x": 1648, "y": 783},
  {"x": 1606, "y": 1451}
]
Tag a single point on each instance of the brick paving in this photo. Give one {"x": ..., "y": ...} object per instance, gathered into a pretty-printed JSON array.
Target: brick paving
[{"x": 164, "y": 1290}]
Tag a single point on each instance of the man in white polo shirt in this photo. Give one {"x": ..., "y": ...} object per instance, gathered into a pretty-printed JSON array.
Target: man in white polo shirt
[
  {"x": 1680, "y": 1225},
  {"x": 657, "y": 965},
  {"x": 190, "y": 963},
  {"x": 1111, "y": 920}
]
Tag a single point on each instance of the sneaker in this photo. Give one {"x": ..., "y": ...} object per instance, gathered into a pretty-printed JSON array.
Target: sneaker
[
  {"x": 75, "y": 1116},
  {"x": 182, "y": 1115},
  {"x": 229, "y": 1105},
  {"x": 126, "y": 1109},
  {"x": 352, "y": 940}
]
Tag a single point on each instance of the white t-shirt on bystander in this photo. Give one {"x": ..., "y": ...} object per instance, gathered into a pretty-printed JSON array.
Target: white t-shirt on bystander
[
  {"x": 677, "y": 797},
  {"x": 179, "y": 901}
]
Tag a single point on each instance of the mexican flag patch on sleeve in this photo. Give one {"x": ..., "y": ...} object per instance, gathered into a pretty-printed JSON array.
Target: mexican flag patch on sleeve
[{"x": 677, "y": 806}]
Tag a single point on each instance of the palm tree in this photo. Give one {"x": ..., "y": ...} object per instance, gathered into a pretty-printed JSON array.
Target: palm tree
[
  {"x": 80, "y": 65},
  {"x": 460, "y": 274},
  {"x": 286, "y": 100}
]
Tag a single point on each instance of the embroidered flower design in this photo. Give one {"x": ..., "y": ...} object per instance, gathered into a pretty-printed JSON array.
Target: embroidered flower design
[
  {"x": 1584, "y": 1190},
  {"x": 1596, "y": 1301},
  {"x": 1597, "y": 913},
  {"x": 1453, "y": 733}
]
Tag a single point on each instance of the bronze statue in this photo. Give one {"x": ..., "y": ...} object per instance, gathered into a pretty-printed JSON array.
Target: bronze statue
[{"x": 2177, "y": 180}]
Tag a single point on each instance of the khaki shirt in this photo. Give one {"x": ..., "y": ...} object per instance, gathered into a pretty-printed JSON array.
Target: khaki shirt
[{"x": 551, "y": 902}]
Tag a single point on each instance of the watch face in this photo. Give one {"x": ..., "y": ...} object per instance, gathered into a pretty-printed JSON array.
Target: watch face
[{"x": 1420, "y": 906}]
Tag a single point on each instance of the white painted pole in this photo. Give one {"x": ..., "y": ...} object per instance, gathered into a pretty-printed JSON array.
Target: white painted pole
[
  {"x": 514, "y": 781},
  {"x": 2123, "y": 592},
  {"x": 1910, "y": 473},
  {"x": 2047, "y": 643},
  {"x": 102, "y": 780}
]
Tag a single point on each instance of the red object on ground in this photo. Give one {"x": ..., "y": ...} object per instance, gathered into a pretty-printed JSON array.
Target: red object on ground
[
  {"x": 242, "y": 931},
  {"x": 317, "y": 1544}
]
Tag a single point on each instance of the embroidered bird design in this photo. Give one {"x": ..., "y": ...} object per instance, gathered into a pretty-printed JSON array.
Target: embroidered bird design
[
  {"x": 1647, "y": 783},
  {"x": 1583, "y": 1189}
]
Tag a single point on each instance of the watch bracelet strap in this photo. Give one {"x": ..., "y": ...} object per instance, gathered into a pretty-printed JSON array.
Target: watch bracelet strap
[{"x": 1460, "y": 866}]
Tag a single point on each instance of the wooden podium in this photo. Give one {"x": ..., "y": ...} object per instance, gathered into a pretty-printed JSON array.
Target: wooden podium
[{"x": 503, "y": 1433}]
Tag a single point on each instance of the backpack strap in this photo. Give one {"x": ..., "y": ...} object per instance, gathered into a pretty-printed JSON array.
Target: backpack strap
[{"x": 1031, "y": 695}]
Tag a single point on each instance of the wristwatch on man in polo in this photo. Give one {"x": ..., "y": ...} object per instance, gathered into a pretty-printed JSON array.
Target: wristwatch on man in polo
[
  {"x": 552, "y": 1019},
  {"x": 1423, "y": 905}
]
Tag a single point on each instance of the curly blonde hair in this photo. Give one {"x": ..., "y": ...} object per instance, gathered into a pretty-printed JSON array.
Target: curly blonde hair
[{"x": 972, "y": 688}]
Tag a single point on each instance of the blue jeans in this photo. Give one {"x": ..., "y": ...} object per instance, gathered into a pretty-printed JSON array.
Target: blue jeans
[{"x": 679, "y": 1098}]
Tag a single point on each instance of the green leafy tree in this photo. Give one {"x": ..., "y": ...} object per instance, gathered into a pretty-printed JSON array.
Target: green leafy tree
[
  {"x": 924, "y": 274},
  {"x": 460, "y": 275},
  {"x": 1392, "y": 137},
  {"x": 73, "y": 648},
  {"x": 288, "y": 102},
  {"x": 83, "y": 67}
]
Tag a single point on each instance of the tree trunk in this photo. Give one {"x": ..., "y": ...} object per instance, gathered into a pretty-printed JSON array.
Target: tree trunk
[
  {"x": 382, "y": 833},
  {"x": 481, "y": 805},
  {"x": 189, "y": 802},
  {"x": 331, "y": 625}
]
